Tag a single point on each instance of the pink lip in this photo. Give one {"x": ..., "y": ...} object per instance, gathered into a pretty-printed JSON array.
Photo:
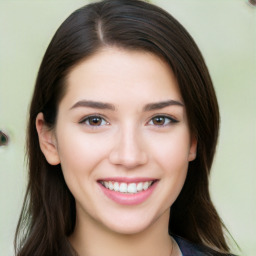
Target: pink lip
[{"x": 128, "y": 199}]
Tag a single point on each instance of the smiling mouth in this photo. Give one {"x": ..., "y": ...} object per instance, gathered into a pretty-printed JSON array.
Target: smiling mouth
[{"x": 127, "y": 188}]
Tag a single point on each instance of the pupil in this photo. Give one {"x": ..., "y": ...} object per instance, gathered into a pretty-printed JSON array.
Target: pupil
[
  {"x": 95, "y": 121},
  {"x": 159, "y": 120}
]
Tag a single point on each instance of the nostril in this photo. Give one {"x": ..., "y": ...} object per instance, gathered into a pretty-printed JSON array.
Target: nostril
[{"x": 126, "y": 159}]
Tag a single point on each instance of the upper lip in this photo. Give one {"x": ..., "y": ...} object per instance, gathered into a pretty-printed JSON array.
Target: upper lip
[{"x": 128, "y": 179}]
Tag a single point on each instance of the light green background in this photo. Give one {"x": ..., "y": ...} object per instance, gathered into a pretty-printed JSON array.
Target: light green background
[{"x": 225, "y": 31}]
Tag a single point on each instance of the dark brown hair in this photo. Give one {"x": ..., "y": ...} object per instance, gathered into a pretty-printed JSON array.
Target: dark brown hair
[{"x": 48, "y": 214}]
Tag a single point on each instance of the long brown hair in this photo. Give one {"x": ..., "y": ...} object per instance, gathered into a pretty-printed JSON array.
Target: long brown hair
[{"x": 48, "y": 214}]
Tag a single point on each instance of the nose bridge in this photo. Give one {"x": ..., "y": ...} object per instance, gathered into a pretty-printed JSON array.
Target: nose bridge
[
  {"x": 128, "y": 148},
  {"x": 129, "y": 142}
]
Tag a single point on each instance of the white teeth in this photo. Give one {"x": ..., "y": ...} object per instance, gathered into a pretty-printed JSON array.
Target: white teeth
[
  {"x": 123, "y": 187},
  {"x": 139, "y": 186},
  {"x": 116, "y": 186},
  {"x": 145, "y": 185},
  {"x": 110, "y": 186},
  {"x": 132, "y": 188},
  {"x": 106, "y": 184}
]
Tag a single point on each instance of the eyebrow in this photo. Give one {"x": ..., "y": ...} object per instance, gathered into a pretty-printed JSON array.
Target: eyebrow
[
  {"x": 103, "y": 105},
  {"x": 162, "y": 104},
  {"x": 93, "y": 104}
]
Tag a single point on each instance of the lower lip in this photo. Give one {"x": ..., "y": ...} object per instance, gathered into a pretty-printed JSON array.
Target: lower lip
[{"x": 129, "y": 199}]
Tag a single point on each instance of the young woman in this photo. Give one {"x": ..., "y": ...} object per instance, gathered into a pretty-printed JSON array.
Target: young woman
[{"x": 122, "y": 133}]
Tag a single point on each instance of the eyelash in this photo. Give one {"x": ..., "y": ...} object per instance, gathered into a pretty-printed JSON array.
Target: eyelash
[
  {"x": 90, "y": 118},
  {"x": 167, "y": 121}
]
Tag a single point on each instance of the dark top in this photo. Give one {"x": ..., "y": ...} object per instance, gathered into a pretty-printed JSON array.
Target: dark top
[{"x": 189, "y": 249}]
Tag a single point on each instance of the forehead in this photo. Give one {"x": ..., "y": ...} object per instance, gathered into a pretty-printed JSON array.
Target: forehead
[{"x": 114, "y": 73}]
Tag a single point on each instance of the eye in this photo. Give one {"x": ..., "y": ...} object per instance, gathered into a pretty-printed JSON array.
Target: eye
[
  {"x": 162, "y": 121},
  {"x": 94, "y": 121}
]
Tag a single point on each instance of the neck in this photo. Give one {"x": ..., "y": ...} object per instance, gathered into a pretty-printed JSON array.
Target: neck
[{"x": 91, "y": 238}]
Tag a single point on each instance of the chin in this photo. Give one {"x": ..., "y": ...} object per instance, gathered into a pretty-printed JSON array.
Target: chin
[
  {"x": 129, "y": 228},
  {"x": 131, "y": 224}
]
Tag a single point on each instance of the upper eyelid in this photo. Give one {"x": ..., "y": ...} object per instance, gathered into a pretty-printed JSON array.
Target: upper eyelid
[
  {"x": 93, "y": 115},
  {"x": 171, "y": 117},
  {"x": 164, "y": 115}
]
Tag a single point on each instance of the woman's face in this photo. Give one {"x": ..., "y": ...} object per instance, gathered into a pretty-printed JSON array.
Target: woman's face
[{"x": 122, "y": 139}]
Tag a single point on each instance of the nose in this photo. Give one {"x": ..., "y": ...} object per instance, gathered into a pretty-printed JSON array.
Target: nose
[{"x": 128, "y": 150}]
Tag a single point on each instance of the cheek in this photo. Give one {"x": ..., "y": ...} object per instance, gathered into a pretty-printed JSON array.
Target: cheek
[
  {"x": 172, "y": 158},
  {"x": 171, "y": 155},
  {"x": 172, "y": 151},
  {"x": 80, "y": 153}
]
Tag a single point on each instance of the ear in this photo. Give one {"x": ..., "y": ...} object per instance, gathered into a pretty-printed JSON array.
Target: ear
[
  {"x": 47, "y": 140},
  {"x": 193, "y": 149}
]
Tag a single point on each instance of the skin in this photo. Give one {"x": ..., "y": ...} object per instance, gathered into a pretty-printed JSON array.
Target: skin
[{"x": 126, "y": 141}]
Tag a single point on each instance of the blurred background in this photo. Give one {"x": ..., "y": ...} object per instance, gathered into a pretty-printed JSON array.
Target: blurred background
[{"x": 225, "y": 31}]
